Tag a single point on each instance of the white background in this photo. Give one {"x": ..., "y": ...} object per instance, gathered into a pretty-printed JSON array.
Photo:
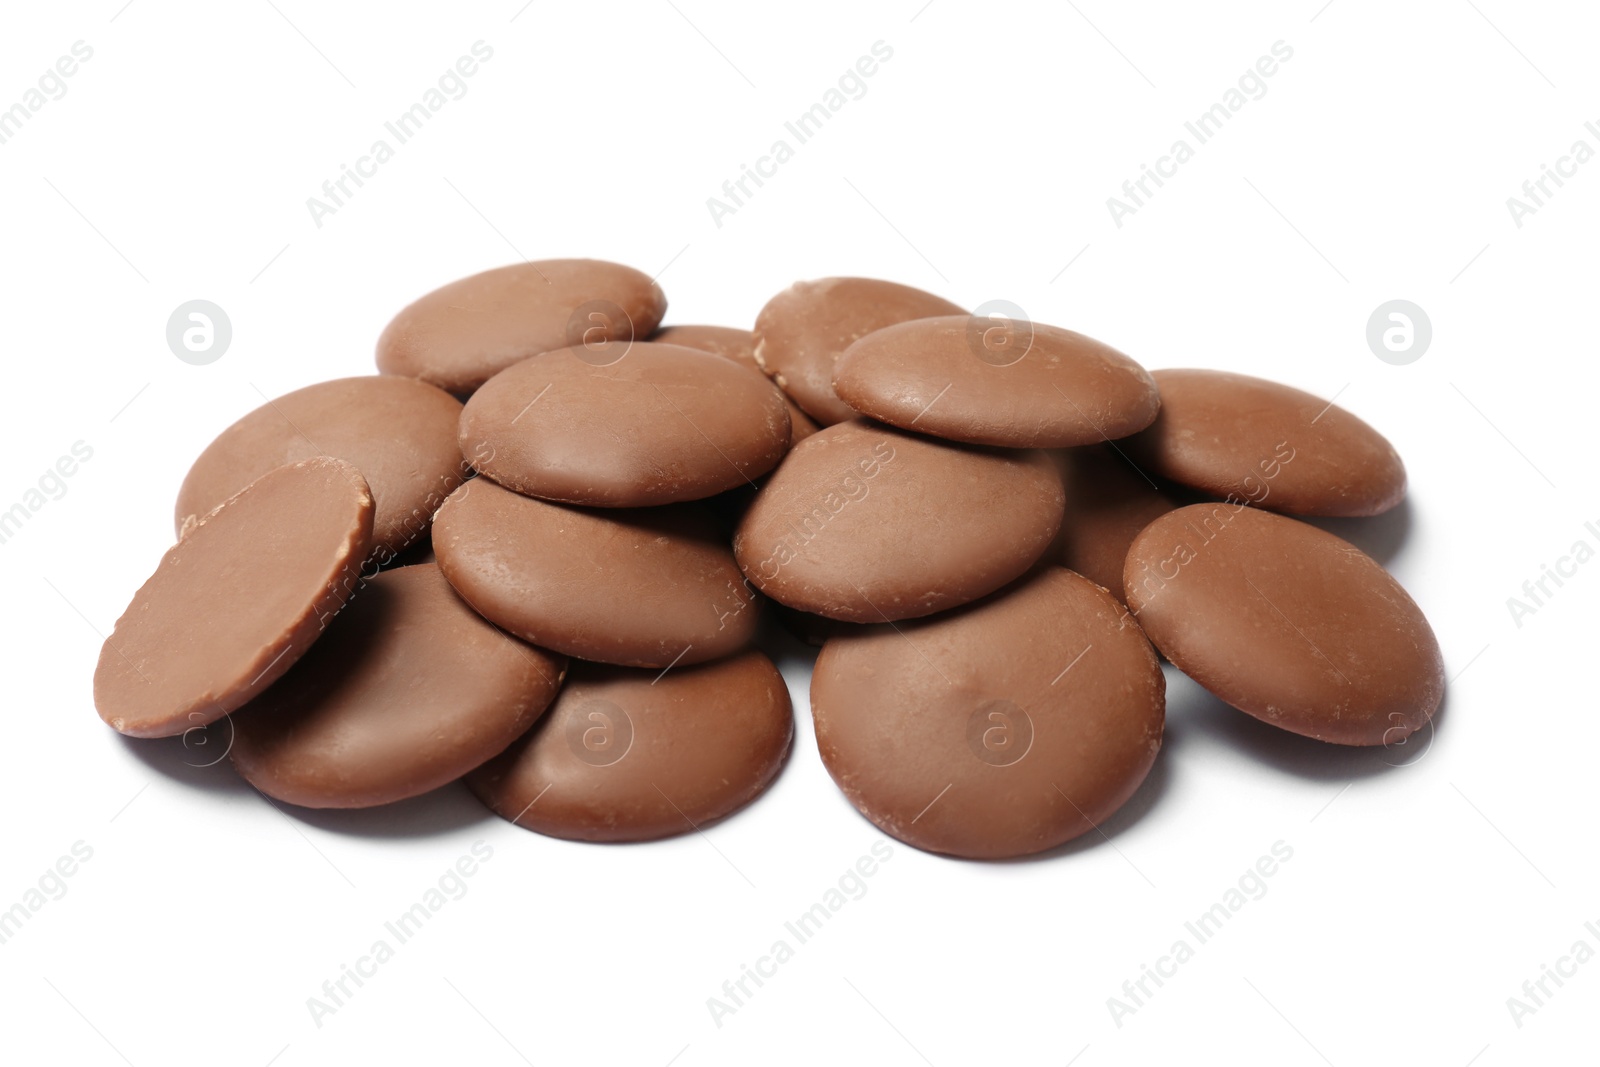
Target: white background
[{"x": 978, "y": 163}]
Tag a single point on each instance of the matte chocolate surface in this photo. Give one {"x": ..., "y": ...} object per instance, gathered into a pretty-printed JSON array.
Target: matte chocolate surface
[
  {"x": 866, "y": 523},
  {"x": 646, "y": 588},
  {"x": 464, "y": 333},
  {"x": 398, "y": 432},
  {"x": 1000, "y": 729},
  {"x": 991, "y": 381},
  {"x": 1110, "y": 501},
  {"x": 651, "y": 424},
  {"x": 1286, "y": 622},
  {"x": 802, "y": 331},
  {"x": 630, "y": 755},
  {"x": 408, "y": 690},
  {"x": 1269, "y": 444},
  {"x": 232, "y": 606},
  {"x": 739, "y": 346}
]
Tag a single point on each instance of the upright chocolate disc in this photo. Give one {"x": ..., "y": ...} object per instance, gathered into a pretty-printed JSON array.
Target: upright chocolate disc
[
  {"x": 739, "y": 346},
  {"x": 1286, "y": 622},
  {"x": 629, "y": 755},
  {"x": 1111, "y": 501},
  {"x": 410, "y": 689},
  {"x": 237, "y": 601},
  {"x": 802, "y": 331},
  {"x": 998, "y": 730},
  {"x": 461, "y": 335},
  {"x": 991, "y": 381},
  {"x": 866, "y": 523},
  {"x": 645, "y": 588},
  {"x": 1267, "y": 444},
  {"x": 650, "y": 424},
  {"x": 399, "y": 433}
]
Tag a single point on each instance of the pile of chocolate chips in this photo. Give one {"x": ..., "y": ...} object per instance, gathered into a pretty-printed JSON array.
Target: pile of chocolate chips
[{"x": 533, "y": 552}]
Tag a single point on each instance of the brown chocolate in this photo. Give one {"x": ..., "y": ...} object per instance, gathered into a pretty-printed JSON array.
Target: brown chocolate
[
  {"x": 408, "y": 690},
  {"x": 232, "y": 606},
  {"x": 630, "y": 755},
  {"x": 802, "y": 331},
  {"x": 398, "y": 432},
  {"x": 650, "y": 424},
  {"x": 461, "y": 335},
  {"x": 991, "y": 381},
  {"x": 1286, "y": 622},
  {"x": 998, "y": 730},
  {"x": 739, "y": 346},
  {"x": 1111, "y": 500},
  {"x": 1271, "y": 445},
  {"x": 645, "y": 588},
  {"x": 866, "y": 523}
]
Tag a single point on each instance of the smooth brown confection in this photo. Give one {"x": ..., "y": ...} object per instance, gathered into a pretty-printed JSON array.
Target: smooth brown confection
[
  {"x": 866, "y": 523},
  {"x": 1267, "y": 444},
  {"x": 630, "y": 755},
  {"x": 739, "y": 346},
  {"x": 1110, "y": 502},
  {"x": 398, "y": 432},
  {"x": 644, "y": 588},
  {"x": 802, "y": 331},
  {"x": 1286, "y": 622},
  {"x": 461, "y": 335},
  {"x": 996, "y": 382},
  {"x": 651, "y": 424},
  {"x": 410, "y": 689},
  {"x": 999, "y": 730},
  {"x": 238, "y": 600}
]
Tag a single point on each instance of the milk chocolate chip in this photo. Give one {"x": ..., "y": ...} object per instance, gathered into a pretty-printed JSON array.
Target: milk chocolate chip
[
  {"x": 398, "y": 432},
  {"x": 802, "y": 331},
  {"x": 739, "y": 346},
  {"x": 866, "y": 523},
  {"x": 408, "y": 690},
  {"x": 651, "y": 424},
  {"x": 645, "y": 588},
  {"x": 1269, "y": 444},
  {"x": 1000, "y": 729},
  {"x": 1110, "y": 502},
  {"x": 1286, "y": 622},
  {"x": 461, "y": 335},
  {"x": 996, "y": 382},
  {"x": 629, "y": 755},
  {"x": 232, "y": 606}
]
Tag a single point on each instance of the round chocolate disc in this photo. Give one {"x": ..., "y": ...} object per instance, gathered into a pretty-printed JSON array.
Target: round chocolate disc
[
  {"x": 461, "y": 335},
  {"x": 739, "y": 346},
  {"x": 398, "y": 432},
  {"x": 999, "y": 730},
  {"x": 1111, "y": 501},
  {"x": 408, "y": 690},
  {"x": 237, "y": 601},
  {"x": 1286, "y": 622},
  {"x": 631, "y": 755},
  {"x": 644, "y": 588},
  {"x": 993, "y": 381},
  {"x": 802, "y": 331},
  {"x": 866, "y": 523},
  {"x": 652, "y": 424},
  {"x": 1267, "y": 444}
]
